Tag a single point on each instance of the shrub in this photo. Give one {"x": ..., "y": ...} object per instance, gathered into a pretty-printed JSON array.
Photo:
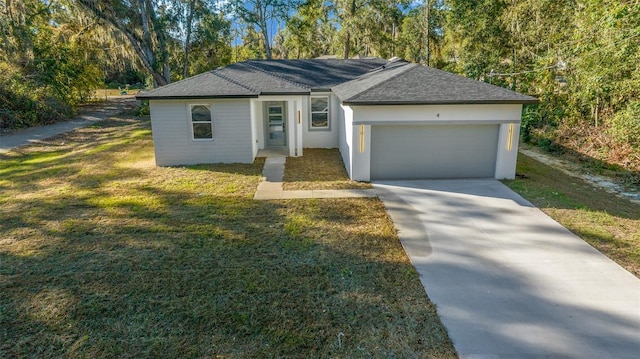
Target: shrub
[
  {"x": 23, "y": 103},
  {"x": 624, "y": 126}
]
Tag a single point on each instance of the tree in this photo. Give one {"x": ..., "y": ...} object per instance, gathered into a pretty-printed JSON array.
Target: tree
[
  {"x": 210, "y": 46},
  {"x": 475, "y": 38},
  {"x": 204, "y": 31},
  {"x": 144, "y": 24},
  {"x": 413, "y": 35},
  {"x": 367, "y": 26},
  {"x": 259, "y": 14},
  {"x": 310, "y": 32},
  {"x": 603, "y": 60}
]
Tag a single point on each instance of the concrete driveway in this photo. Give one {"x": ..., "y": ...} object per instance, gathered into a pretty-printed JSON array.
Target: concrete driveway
[{"x": 508, "y": 281}]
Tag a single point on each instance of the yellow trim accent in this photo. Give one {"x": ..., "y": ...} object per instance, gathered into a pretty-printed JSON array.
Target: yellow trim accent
[
  {"x": 361, "y": 138},
  {"x": 510, "y": 138}
]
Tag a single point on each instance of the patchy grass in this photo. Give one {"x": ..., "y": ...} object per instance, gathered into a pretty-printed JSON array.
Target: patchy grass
[
  {"x": 102, "y": 254},
  {"x": 318, "y": 169},
  {"x": 607, "y": 222}
]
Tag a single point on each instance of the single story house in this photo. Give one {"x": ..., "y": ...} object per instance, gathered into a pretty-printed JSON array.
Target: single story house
[{"x": 390, "y": 119}]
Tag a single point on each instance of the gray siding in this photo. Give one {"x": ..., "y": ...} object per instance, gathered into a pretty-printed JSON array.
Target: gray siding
[{"x": 173, "y": 141}]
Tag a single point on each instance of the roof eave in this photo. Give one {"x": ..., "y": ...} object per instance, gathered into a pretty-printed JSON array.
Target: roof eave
[
  {"x": 284, "y": 93},
  {"x": 194, "y": 97},
  {"x": 461, "y": 102}
]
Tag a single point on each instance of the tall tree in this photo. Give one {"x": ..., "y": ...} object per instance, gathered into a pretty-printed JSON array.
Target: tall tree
[
  {"x": 367, "y": 26},
  {"x": 201, "y": 25},
  {"x": 603, "y": 60},
  {"x": 143, "y": 22},
  {"x": 310, "y": 32},
  {"x": 475, "y": 38},
  {"x": 260, "y": 14},
  {"x": 210, "y": 45},
  {"x": 416, "y": 28}
]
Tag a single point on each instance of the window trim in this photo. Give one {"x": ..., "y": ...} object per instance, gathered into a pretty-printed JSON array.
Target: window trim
[
  {"x": 328, "y": 112},
  {"x": 192, "y": 122}
]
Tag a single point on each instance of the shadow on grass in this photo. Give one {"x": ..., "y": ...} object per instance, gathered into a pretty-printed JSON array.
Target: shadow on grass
[
  {"x": 609, "y": 223},
  {"x": 105, "y": 255}
]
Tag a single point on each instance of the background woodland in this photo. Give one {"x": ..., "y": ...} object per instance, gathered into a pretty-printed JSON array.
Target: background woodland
[{"x": 581, "y": 58}]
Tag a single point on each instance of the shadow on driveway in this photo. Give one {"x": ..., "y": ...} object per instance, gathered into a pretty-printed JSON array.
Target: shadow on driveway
[{"x": 508, "y": 281}]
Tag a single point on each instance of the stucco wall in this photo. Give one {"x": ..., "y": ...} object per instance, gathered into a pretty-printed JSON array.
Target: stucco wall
[
  {"x": 366, "y": 116},
  {"x": 321, "y": 138},
  {"x": 437, "y": 114},
  {"x": 172, "y": 135},
  {"x": 345, "y": 134}
]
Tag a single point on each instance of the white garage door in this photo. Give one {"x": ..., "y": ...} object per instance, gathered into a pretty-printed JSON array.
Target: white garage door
[{"x": 433, "y": 151}]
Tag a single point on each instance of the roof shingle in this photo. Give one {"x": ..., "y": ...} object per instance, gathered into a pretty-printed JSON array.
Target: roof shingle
[
  {"x": 355, "y": 82},
  {"x": 417, "y": 84}
]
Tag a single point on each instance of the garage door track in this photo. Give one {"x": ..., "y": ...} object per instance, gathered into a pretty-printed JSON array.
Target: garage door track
[{"x": 508, "y": 281}]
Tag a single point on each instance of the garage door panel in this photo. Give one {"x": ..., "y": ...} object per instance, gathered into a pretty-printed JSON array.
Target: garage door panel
[{"x": 433, "y": 151}]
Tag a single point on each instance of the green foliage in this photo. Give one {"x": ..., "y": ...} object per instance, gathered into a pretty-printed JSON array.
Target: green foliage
[
  {"x": 24, "y": 104},
  {"x": 475, "y": 38},
  {"x": 142, "y": 109},
  {"x": 62, "y": 67},
  {"x": 309, "y": 33},
  {"x": 625, "y": 125}
]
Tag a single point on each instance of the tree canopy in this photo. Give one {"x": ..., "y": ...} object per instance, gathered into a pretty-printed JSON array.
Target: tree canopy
[{"x": 580, "y": 57}]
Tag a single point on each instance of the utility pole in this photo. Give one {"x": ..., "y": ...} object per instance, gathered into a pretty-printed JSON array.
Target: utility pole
[{"x": 427, "y": 8}]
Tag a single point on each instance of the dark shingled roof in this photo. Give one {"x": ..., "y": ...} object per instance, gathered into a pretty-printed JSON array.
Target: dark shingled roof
[
  {"x": 208, "y": 84},
  {"x": 319, "y": 74},
  {"x": 408, "y": 84},
  {"x": 355, "y": 82}
]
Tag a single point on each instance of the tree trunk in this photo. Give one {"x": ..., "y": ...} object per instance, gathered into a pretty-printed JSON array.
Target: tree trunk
[
  {"x": 187, "y": 42},
  {"x": 144, "y": 46},
  {"x": 347, "y": 45},
  {"x": 262, "y": 13},
  {"x": 427, "y": 9}
]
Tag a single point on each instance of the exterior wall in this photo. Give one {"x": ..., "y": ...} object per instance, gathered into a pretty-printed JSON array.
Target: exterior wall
[
  {"x": 437, "y": 114},
  {"x": 361, "y": 149},
  {"x": 173, "y": 140},
  {"x": 345, "y": 135},
  {"x": 507, "y": 151},
  {"x": 321, "y": 138},
  {"x": 504, "y": 115}
]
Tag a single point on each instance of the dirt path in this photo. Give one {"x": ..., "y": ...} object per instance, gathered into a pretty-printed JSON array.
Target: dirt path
[
  {"x": 575, "y": 170},
  {"x": 88, "y": 115}
]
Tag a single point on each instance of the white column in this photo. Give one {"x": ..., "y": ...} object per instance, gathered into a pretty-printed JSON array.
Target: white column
[{"x": 291, "y": 127}]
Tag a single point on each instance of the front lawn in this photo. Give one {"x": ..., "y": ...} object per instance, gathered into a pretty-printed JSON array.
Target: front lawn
[
  {"x": 605, "y": 221},
  {"x": 318, "y": 169},
  {"x": 102, "y": 254}
]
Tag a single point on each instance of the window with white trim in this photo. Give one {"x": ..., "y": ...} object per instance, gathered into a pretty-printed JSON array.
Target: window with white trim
[
  {"x": 201, "y": 122},
  {"x": 319, "y": 113}
]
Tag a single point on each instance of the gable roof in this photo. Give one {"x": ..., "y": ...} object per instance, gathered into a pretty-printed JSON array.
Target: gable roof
[{"x": 354, "y": 81}]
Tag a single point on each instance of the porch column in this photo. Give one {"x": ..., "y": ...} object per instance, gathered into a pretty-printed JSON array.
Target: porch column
[
  {"x": 292, "y": 127},
  {"x": 298, "y": 124}
]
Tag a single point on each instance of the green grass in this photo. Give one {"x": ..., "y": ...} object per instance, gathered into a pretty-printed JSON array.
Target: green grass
[
  {"x": 318, "y": 169},
  {"x": 607, "y": 222},
  {"x": 102, "y": 254}
]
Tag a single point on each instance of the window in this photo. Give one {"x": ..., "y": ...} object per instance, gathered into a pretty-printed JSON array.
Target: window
[
  {"x": 320, "y": 112},
  {"x": 201, "y": 122}
]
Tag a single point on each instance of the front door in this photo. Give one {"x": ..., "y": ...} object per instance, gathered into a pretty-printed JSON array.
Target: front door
[{"x": 276, "y": 127}]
